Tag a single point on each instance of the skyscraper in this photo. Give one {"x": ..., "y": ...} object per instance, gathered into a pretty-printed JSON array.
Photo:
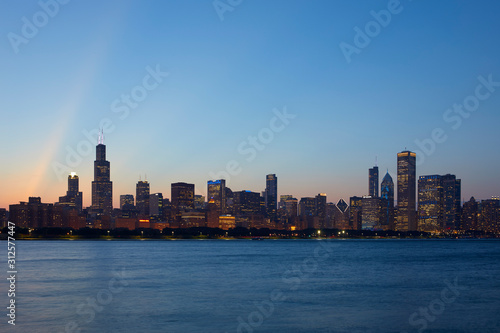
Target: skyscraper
[
  {"x": 246, "y": 203},
  {"x": 271, "y": 196},
  {"x": 470, "y": 214},
  {"x": 127, "y": 201},
  {"x": 307, "y": 206},
  {"x": 73, "y": 197},
  {"x": 373, "y": 182},
  {"x": 216, "y": 191},
  {"x": 371, "y": 213},
  {"x": 320, "y": 209},
  {"x": 102, "y": 187},
  {"x": 430, "y": 203},
  {"x": 407, "y": 186},
  {"x": 355, "y": 212},
  {"x": 387, "y": 190},
  {"x": 156, "y": 206},
  {"x": 452, "y": 195},
  {"x": 142, "y": 197},
  {"x": 199, "y": 201},
  {"x": 387, "y": 196},
  {"x": 182, "y": 195}
]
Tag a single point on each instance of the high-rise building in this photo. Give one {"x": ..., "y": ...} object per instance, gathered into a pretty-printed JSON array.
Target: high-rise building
[
  {"x": 246, "y": 203},
  {"x": 216, "y": 191},
  {"x": 73, "y": 197},
  {"x": 182, "y": 196},
  {"x": 283, "y": 198},
  {"x": 142, "y": 197},
  {"x": 387, "y": 202},
  {"x": 387, "y": 190},
  {"x": 307, "y": 206},
  {"x": 355, "y": 213},
  {"x": 337, "y": 215},
  {"x": 489, "y": 217},
  {"x": 407, "y": 186},
  {"x": 199, "y": 201},
  {"x": 127, "y": 201},
  {"x": 3, "y": 217},
  {"x": 320, "y": 209},
  {"x": 271, "y": 196},
  {"x": 156, "y": 206},
  {"x": 439, "y": 203},
  {"x": 470, "y": 212},
  {"x": 430, "y": 203},
  {"x": 452, "y": 196},
  {"x": 373, "y": 182},
  {"x": 371, "y": 213},
  {"x": 291, "y": 207},
  {"x": 102, "y": 187}
]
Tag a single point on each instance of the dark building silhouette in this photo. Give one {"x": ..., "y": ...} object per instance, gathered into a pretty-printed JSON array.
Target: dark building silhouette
[
  {"x": 307, "y": 206},
  {"x": 35, "y": 214},
  {"x": 156, "y": 206},
  {"x": 452, "y": 196},
  {"x": 373, "y": 182},
  {"x": 102, "y": 187},
  {"x": 73, "y": 197},
  {"x": 142, "y": 197},
  {"x": 246, "y": 203},
  {"x": 407, "y": 186},
  {"x": 182, "y": 195},
  {"x": 271, "y": 196},
  {"x": 4, "y": 217},
  {"x": 470, "y": 212},
  {"x": 489, "y": 216},
  {"x": 355, "y": 212},
  {"x": 387, "y": 196},
  {"x": 320, "y": 209},
  {"x": 127, "y": 201}
]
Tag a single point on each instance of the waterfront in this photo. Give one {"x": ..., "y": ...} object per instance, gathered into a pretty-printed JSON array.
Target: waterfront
[{"x": 266, "y": 286}]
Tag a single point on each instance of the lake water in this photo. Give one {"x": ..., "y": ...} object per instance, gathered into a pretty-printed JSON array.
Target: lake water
[{"x": 256, "y": 286}]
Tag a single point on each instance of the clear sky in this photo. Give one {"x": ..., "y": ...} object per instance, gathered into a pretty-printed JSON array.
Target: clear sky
[{"x": 228, "y": 68}]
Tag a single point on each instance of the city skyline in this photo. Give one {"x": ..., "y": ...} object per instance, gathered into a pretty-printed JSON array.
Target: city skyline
[
  {"x": 407, "y": 185},
  {"x": 102, "y": 170},
  {"x": 209, "y": 85}
]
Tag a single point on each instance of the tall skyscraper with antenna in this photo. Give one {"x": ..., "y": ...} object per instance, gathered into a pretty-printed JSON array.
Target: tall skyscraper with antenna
[
  {"x": 102, "y": 187},
  {"x": 142, "y": 197}
]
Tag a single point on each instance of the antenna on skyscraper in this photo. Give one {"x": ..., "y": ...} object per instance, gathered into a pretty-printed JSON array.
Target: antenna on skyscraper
[
  {"x": 376, "y": 160},
  {"x": 140, "y": 177},
  {"x": 100, "y": 140}
]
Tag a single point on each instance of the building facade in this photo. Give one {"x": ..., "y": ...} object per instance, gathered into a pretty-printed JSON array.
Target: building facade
[{"x": 407, "y": 187}]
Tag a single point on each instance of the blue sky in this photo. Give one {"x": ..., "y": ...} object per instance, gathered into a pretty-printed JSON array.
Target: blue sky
[{"x": 225, "y": 78}]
